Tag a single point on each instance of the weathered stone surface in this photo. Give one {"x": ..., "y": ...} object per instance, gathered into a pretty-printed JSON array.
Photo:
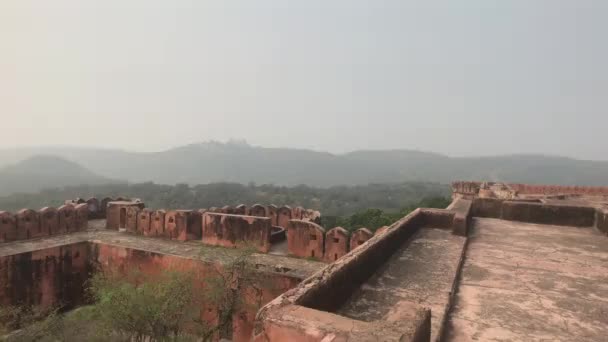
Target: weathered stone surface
[
  {"x": 28, "y": 224},
  {"x": 423, "y": 271},
  {"x": 336, "y": 244},
  {"x": 236, "y": 231},
  {"x": 117, "y": 214},
  {"x": 298, "y": 323},
  {"x": 381, "y": 230},
  {"x": 305, "y": 239},
  {"x": 8, "y": 227},
  {"x": 330, "y": 288},
  {"x": 241, "y": 209},
  {"x": 227, "y": 210},
  {"x": 49, "y": 220},
  {"x": 81, "y": 216},
  {"x": 257, "y": 210},
  {"x": 359, "y": 237},
  {"x": 283, "y": 216},
  {"x": 297, "y": 213},
  {"x": 273, "y": 214},
  {"x": 462, "y": 216},
  {"x": 94, "y": 210},
  {"x": 183, "y": 225},
  {"x": 487, "y": 207},
  {"x": 157, "y": 225},
  {"x": 45, "y": 277},
  {"x": 131, "y": 224},
  {"x": 530, "y": 282},
  {"x": 67, "y": 219},
  {"x": 34, "y": 272},
  {"x": 144, "y": 222},
  {"x": 563, "y": 215}
]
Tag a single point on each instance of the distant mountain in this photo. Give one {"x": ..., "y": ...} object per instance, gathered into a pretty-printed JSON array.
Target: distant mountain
[
  {"x": 40, "y": 172},
  {"x": 236, "y": 162}
]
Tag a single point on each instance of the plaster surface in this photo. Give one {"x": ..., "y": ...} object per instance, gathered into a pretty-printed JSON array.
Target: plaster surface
[
  {"x": 528, "y": 282},
  {"x": 422, "y": 271}
]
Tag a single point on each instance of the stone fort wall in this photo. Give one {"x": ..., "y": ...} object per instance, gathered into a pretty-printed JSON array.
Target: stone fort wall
[{"x": 473, "y": 188}]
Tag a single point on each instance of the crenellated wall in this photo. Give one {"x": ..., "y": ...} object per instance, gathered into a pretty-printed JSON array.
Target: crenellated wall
[
  {"x": 30, "y": 224},
  {"x": 236, "y": 231},
  {"x": 526, "y": 189},
  {"x": 225, "y": 226},
  {"x": 46, "y": 277}
]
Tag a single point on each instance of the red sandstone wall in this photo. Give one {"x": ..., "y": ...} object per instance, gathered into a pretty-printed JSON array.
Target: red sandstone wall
[
  {"x": 8, "y": 227},
  {"x": 305, "y": 239},
  {"x": 157, "y": 225},
  {"x": 28, "y": 225},
  {"x": 236, "y": 231},
  {"x": 273, "y": 214},
  {"x": 131, "y": 222},
  {"x": 152, "y": 263},
  {"x": 257, "y": 210},
  {"x": 359, "y": 237},
  {"x": 283, "y": 216},
  {"x": 143, "y": 222},
  {"x": 67, "y": 218},
  {"x": 176, "y": 225},
  {"x": 51, "y": 276},
  {"x": 336, "y": 244},
  {"x": 528, "y": 189},
  {"x": 49, "y": 220},
  {"x": 81, "y": 220},
  {"x": 466, "y": 188}
]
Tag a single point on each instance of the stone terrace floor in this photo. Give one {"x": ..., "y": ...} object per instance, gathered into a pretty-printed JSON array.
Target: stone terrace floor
[
  {"x": 295, "y": 267},
  {"x": 527, "y": 282},
  {"x": 423, "y": 271}
]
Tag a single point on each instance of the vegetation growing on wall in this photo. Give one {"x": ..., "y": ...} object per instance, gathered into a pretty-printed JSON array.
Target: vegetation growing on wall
[{"x": 133, "y": 306}]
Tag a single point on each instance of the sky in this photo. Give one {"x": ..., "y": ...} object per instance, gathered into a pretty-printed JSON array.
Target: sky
[{"x": 463, "y": 78}]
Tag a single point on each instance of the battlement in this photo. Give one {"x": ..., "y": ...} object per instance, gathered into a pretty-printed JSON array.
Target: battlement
[
  {"x": 400, "y": 284},
  {"x": 409, "y": 281},
  {"x": 31, "y": 224},
  {"x": 477, "y": 189}
]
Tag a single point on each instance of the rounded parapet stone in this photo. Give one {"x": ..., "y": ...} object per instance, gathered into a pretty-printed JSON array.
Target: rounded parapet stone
[
  {"x": 305, "y": 239},
  {"x": 49, "y": 220},
  {"x": 28, "y": 224},
  {"x": 359, "y": 237},
  {"x": 241, "y": 209},
  {"x": 67, "y": 218},
  {"x": 258, "y": 210},
  {"x": 8, "y": 227},
  {"x": 283, "y": 216},
  {"x": 337, "y": 241}
]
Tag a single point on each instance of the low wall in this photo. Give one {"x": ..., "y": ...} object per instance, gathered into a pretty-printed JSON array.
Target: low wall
[
  {"x": 305, "y": 239},
  {"x": 563, "y": 215},
  {"x": 328, "y": 290},
  {"x": 462, "y": 216},
  {"x": 529, "y": 189},
  {"x": 487, "y": 207},
  {"x": 359, "y": 237},
  {"x": 30, "y": 224},
  {"x": 334, "y": 286},
  {"x": 58, "y": 276},
  {"x": 540, "y": 213},
  {"x": 337, "y": 241},
  {"x": 48, "y": 277},
  {"x": 236, "y": 231},
  {"x": 267, "y": 288}
]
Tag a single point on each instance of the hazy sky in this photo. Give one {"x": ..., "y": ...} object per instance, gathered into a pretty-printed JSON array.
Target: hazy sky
[{"x": 457, "y": 77}]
